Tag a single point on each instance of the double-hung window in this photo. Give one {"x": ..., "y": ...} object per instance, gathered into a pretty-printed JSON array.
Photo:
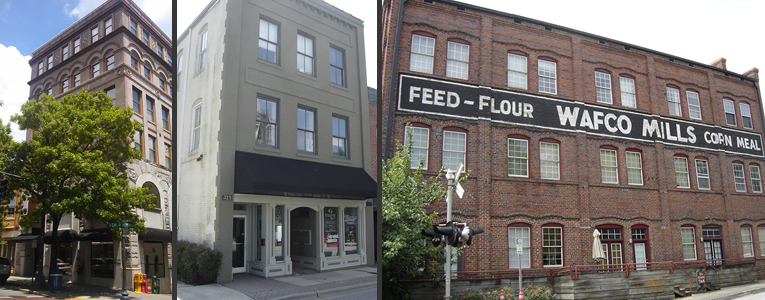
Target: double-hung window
[
  {"x": 65, "y": 52},
  {"x": 65, "y": 84},
  {"x": 547, "y": 77},
  {"x": 146, "y": 71},
  {"x": 108, "y": 26},
  {"x": 552, "y": 246},
  {"x": 40, "y": 69},
  {"x": 746, "y": 241},
  {"x": 202, "y": 49},
  {"x": 133, "y": 27},
  {"x": 454, "y": 149},
  {"x": 168, "y": 157},
  {"x": 754, "y": 176},
  {"x": 305, "y": 54},
  {"x": 761, "y": 238},
  {"x": 730, "y": 112},
  {"x": 94, "y": 35},
  {"x": 50, "y": 63},
  {"x": 340, "y": 136},
  {"x": 77, "y": 77},
  {"x": 150, "y": 109},
  {"x": 688, "y": 238},
  {"x": 196, "y": 127},
  {"x": 76, "y": 45},
  {"x": 96, "y": 68},
  {"x": 145, "y": 36},
  {"x": 457, "y": 59},
  {"x": 306, "y": 130},
  {"x": 694, "y": 107},
  {"x": 337, "y": 66},
  {"x": 422, "y": 54},
  {"x": 517, "y": 69},
  {"x": 608, "y": 166},
  {"x": 138, "y": 141},
  {"x": 673, "y": 101},
  {"x": 746, "y": 115},
  {"x": 517, "y": 157},
  {"x": 738, "y": 177},
  {"x": 152, "y": 143},
  {"x": 522, "y": 233},
  {"x": 702, "y": 174},
  {"x": 267, "y": 122},
  {"x": 136, "y": 101},
  {"x": 165, "y": 118},
  {"x": 634, "y": 168},
  {"x": 159, "y": 50},
  {"x": 419, "y": 138},
  {"x": 268, "y": 42},
  {"x": 627, "y": 86},
  {"x": 110, "y": 62},
  {"x": 603, "y": 87},
  {"x": 549, "y": 160},
  {"x": 681, "y": 172}
]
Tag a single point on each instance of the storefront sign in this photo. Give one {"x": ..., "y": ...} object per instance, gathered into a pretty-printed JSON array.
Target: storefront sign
[
  {"x": 330, "y": 227},
  {"x": 472, "y": 102}
]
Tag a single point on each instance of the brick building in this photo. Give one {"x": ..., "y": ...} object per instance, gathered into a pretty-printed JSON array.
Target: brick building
[
  {"x": 119, "y": 50},
  {"x": 565, "y": 132}
]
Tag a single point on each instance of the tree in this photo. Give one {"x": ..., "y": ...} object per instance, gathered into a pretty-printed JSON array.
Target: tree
[
  {"x": 406, "y": 252},
  {"x": 76, "y": 162},
  {"x": 7, "y": 144}
]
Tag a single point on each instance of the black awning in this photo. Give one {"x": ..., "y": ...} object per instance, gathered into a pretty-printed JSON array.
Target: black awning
[
  {"x": 24, "y": 237},
  {"x": 98, "y": 234},
  {"x": 272, "y": 175},
  {"x": 64, "y": 236},
  {"x": 156, "y": 235}
]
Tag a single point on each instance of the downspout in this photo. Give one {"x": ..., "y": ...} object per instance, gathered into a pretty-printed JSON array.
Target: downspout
[{"x": 386, "y": 152}]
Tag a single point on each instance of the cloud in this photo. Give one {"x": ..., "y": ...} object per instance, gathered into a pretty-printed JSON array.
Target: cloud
[
  {"x": 82, "y": 8},
  {"x": 159, "y": 11},
  {"x": 13, "y": 86}
]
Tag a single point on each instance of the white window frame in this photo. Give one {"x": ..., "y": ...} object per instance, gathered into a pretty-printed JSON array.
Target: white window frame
[
  {"x": 202, "y": 49},
  {"x": 268, "y": 36},
  {"x": 701, "y": 174},
  {"x": 457, "y": 60},
  {"x": 76, "y": 45},
  {"x": 517, "y": 71},
  {"x": 547, "y": 71},
  {"x": 739, "y": 181},
  {"x": 305, "y": 54},
  {"x": 673, "y": 100},
  {"x": 420, "y": 146},
  {"x": 525, "y": 147},
  {"x": 746, "y": 115},
  {"x": 639, "y": 168},
  {"x": 513, "y": 254},
  {"x": 603, "y": 166},
  {"x": 730, "y": 109},
  {"x": 694, "y": 105},
  {"x": 94, "y": 34},
  {"x": 746, "y": 241},
  {"x": 196, "y": 127},
  {"x": 755, "y": 178},
  {"x": 681, "y": 172},
  {"x": 50, "y": 62},
  {"x": 560, "y": 233},
  {"x": 761, "y": 239},
  {"x": 627, "y": 86},
  {"x": 108, "y": 26},
  {"x": 603, "y": 88},
  {"x": 65, "y": 52},
  {"x": 422, "y": 49},
  {"x": 40, "y": 68},
  {"x": 549, "y": 159},
  {"x": 688, "y": 241},
  {"x": 451, "y": 135}
]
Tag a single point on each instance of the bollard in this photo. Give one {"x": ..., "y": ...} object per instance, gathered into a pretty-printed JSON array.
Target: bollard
[
  {"x": 520, "y": 296},
  {"x": 155, "y": 285},
  {"x": 501, "y": 295},
  {"x": 137, "y": 282}
]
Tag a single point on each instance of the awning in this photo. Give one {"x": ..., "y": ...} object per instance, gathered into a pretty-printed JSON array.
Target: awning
[
  {"x": 98, "y": 234},
  {"x": 156, "y": 235},
  {"x": 273, "y": 175},
  {"x": 64, "y": 236},
  {"x": 24, "y": 237}
]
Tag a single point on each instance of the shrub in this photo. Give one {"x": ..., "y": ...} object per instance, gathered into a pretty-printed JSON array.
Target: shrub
[
  {"x": 197, "y": 264},
  {"x": 531, "y": 293}
]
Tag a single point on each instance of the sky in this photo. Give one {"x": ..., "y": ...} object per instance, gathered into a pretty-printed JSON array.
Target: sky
[{"x": 30, "y": 32}]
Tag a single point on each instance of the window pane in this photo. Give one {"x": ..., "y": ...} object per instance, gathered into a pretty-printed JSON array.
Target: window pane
[
  {"x": 454, "y": 150},
  {"x": 603, "y": 87},
  {"x": 673, "y": 101},
  {"x": 738, "y": 177},
  {"x": 608, "y": 166},
  {"x": 549, "y": 160},
  {"x": 628, "y": 92},
  {"x": 634, "y": 168},
  {"x": 694, "y": 107},
  {"x": 419, "y": 138},
  {"x": 681, "y": 172}
]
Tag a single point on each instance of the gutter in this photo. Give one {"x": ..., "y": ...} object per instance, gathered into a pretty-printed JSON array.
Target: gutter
[{"x": 394, "y": 67}]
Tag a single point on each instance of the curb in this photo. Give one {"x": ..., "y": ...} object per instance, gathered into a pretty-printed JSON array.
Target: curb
[
  {"x": 741, "y": 294},
  {"x": 328, "y": 292}
]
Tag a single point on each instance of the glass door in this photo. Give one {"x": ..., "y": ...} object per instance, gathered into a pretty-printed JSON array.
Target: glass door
[
  {"x": 640, "y": 256},
  {"x": 238, "y": 247}
]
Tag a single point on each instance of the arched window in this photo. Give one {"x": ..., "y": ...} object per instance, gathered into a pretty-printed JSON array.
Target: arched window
[
  {"x": 153, "y": 190},
  {"x": 49, "y": 89},
  {"x": 95, "y": 67},
  {"x": 77, "y": 77},
  {"x": 162, "y": 82},
  {"x": 65, "y": 83},
  {"x": 109, "y": 60}
]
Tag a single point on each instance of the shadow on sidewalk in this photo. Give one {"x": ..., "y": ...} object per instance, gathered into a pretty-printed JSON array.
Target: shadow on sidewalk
[{"x": 72, "y": 290}]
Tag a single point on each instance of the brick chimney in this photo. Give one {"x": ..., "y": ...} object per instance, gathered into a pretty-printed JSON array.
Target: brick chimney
[{"x": 719, "y": 63}]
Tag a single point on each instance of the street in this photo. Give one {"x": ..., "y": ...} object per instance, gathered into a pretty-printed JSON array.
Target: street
[{"x": 14, "y": 294}]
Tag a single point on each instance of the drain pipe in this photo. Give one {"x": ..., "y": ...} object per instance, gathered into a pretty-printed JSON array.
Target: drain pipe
[{"x": 394, "y": 66}]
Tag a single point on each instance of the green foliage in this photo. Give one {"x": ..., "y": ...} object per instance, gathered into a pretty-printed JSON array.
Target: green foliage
[
  {"x": 406, "y": 253},
  {"x": 197, "y": 264},
  {"x": 534, "y": 292}
]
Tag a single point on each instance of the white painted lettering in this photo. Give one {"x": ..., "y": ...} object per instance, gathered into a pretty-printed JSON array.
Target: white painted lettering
[
  {"x": 505, "y": 107},
  {"x": 668, "y": 133},
  {"x": 439, "y": 98},
  {"x": 649, "y": 129},
  {"x": 528, "y": 109},
  {"x": 567, "y": 115},
  {"x": 680, "y": 134},
  {"x": 413, "y": 93},
  {"x": 427, "y": 94},
  {"x": 517, "y": 111},
  {"x": 586, "y": 121},
  {"x": 493, "y": 109},
  {"x": 608, "y": 125},
  {"x": 482, "y": 101},
  {"x": 453, "y": 99},
  {"x": 691, "y": 135},
  {"x": 597, "y": 118},
  {"x": 624, "y": 123}
]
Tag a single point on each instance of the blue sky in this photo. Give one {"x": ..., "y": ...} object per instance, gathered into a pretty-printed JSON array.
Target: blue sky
[{"x": 26, "y": 25}]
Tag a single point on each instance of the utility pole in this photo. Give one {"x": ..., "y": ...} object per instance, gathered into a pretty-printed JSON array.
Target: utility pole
[{"x": 452, "y": 182}]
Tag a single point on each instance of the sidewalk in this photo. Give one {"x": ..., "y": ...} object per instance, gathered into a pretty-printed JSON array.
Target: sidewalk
[
  {"x": 308, "y": 286},
  {"x": 77, "y": 291},
  {"x": 732, "y": 292}
]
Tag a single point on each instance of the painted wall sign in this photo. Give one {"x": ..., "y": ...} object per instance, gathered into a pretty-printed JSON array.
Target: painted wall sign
[
  {"x": 472, "y": 102},
  {"x": 331, "y": 237}
]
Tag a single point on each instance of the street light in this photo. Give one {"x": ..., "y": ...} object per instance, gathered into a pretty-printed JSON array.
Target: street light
[{"x": 124, "y": 252}]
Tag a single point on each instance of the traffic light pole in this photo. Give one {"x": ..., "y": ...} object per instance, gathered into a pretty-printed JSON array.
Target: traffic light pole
[{"x": 448, "y": 264}]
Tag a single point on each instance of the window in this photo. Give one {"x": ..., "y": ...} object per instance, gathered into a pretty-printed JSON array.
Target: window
[
  {"x": 738, "y": 177},
  {"x": 523, "y": 234},
  {"x": 608, "y": 166},
  {"x": 150, "y": 109},
  {"x": 76, "y": 46},
  {"x": 110, "y": 61},
  {"x": 65, "y": 52},
  {"x": 108, "y": 26},
  {"x": 102, "y": 259},
  {"x": 134, "y": 62},
  {"x": 673, "y": 101},
  {"x": 517, "y": 157},
  {"x": 351, "y": 223},
  {"x": 702, "y": 174},
  {"x": 136, "y": 101},
  {"x": 39, "y": 68},
  {"x": 761, "y": 238},
  {"x": 112, "y": 93},
  {"x": 152, "y": 149},
  {"x": 454, "y": 149},
  {"x": 162, "y": 82},
  {"x": 420, "y": 146},
  {"x": 50, "y": 62},
  {"x": 96, "y": 68},
  {"x": 146, "y": 71},
  {"x": 730, "y": 112},
  {"x": 169, "y": 59},
  {"x": 550, "y": 160},
  {"x": 267, "y": 122},
  {"x": 603, "y": 87},
  {"x": 49, "y": 89},
  {"x": 202, "y": 49},
  {"x": 168, "y": 157},
  {"x": 94, "y": 35},
  {"x": 547, "y": 77},
  {"x": 76, "y": 78},
  {"x": 422, "y": 54},
  {"x": 138, "y": 139},
  {"x": 694, "y": 107},
  {"x": 754, "y": 175},
  {"x": 159, "y": 50},
  {"x": 611, "y": 242},
  {"x": 306, "y": 130},
  {"x": 305, "y": 54},
  {"x": 457, "y": 58},
  {"x": 746, "y": 114},
  {"x": 628, "y": 92},
  {"x": 268, "y": 42},
  {"x": 746, "y": 241},
  {"x": 180, "y": 62},
  {"x": 516, "y": 71},
  {"x": 145, "y": 37},
  {"x": 133, "y": 27},
  {"x": 196, "y": 127},
  {"x": 337, "y": 66},
  {"x": 689, "y": 243},
  {"x": 634, "y": 168},
  {"x": 65, "y": 84},
  {"x": 681, "y": 172},
  {"x": 552, "y": 246},
  {"x": 339, "y": 136},
  {"x": 165, "y": 118}
]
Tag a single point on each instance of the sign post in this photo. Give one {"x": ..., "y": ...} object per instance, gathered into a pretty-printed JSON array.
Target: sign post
[
  {"x": 519, "y": 250},
  {"x": 452, "y": 181},
  {"x": 124, "y": 252}
]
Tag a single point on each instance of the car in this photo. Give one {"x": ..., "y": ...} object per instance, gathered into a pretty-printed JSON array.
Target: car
[
  {"x": 5, "y": 269},
  {"x": 65, "y": 267}
]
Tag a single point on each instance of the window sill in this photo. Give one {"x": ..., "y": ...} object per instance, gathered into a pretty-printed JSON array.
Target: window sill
[
  {"x": 267, "y": 148},
  {"x": 307, "y": 76},
  {"x": 268, "y": 63},
  {"x": 335, "y": 85},
  {"x": 342, "y": 159},
  {"x": 307, "y": 155}
]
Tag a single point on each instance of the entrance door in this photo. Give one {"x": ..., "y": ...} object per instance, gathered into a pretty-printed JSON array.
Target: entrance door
[
  {"x": 640, "y": 256},
  {"x": 713, "y": 252},
  {"x": 238, "y": 257}
]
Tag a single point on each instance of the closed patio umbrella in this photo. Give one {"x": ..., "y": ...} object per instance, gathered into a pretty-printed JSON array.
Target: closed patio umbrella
[{"x": 597, "y": 248}]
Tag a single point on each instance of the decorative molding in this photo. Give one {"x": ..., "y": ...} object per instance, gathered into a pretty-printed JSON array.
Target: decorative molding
[
  {"x": 686, "y": 84},
  {"x": 624, "y": 219},
  {"x": 324, "y": 13},
  {"x": 547, "y": 216},
  {"x": 434, "y": 28}
]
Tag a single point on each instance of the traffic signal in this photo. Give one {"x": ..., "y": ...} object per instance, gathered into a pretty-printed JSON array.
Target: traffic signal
[
  {"x": 435, "y": 237},
  {"x": 451, "y": 232},
  {"x": 468, "y": 233},
  {"x": 3, "y": 187}
]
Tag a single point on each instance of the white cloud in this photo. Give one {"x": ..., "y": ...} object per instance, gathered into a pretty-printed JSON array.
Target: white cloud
[
  {"x": 13, "y": 86},
  {"x": 161, "y": 12},
  {"x": 82, "y": 8}
]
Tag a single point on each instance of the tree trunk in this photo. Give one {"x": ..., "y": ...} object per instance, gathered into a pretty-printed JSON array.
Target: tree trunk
[{"x": 54, "y": 244}]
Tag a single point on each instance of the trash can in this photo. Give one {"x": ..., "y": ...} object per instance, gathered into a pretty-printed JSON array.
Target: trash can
[
  {"x": 154, "y": 285},
  {"x": 56, "y": 280},
  {"x": 137, "y": 282}
]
